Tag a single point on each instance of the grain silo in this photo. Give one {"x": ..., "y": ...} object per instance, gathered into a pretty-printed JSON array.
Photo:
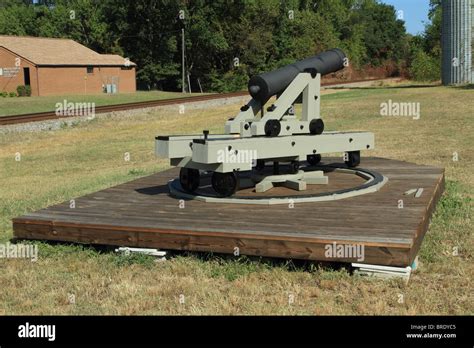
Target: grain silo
[{"x": 457, "y": 41}]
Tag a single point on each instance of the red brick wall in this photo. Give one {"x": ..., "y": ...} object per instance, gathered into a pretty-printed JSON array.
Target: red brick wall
[
  {"x": 63, "y": 80},
  {"x": 76, "y": 80},
  {"x": 9, "y": 84}
]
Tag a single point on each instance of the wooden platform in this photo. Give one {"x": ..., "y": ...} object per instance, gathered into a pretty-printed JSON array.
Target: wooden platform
[{"x": 140, "y": 213}]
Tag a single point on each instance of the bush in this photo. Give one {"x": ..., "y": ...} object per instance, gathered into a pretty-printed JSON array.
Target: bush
[
  {"x": 28, "y": 91},
  {"x": 21, "y": 90},
  {"x": 424, "y": 67},
  {"x": 12, "y": 94},
  {"x": 4, "y": 94},
  {"x": 234, "y": 80}
]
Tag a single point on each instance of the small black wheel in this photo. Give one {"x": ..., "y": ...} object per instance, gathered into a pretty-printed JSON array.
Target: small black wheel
[
  {"x": 260, "y": 165},
  {"x": 189, "y": 179},
  {"x": 313, "y": 160},
  {"x": 353, "y": 159},
  {"x": 272, "y": 128},
  {"x": 316, "y": 126},
  {"x": 294, "y": 167},
  {"x": 225, "y": 184}
]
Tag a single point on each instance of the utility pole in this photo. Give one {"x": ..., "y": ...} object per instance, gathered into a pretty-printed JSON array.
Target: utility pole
[{"x": 182, "y": 57}]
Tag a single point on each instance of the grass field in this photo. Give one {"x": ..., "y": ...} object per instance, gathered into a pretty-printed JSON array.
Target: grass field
[
  {"x": 58, "y": 165},
  {"x": 24, "y": 105}
]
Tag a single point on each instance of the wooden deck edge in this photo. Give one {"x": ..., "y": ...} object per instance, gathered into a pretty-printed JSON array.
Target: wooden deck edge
[
  {"x": 424, "y": 225},
  {"x": 54, "y": 225},
  {"x": 254, "y": 245}
]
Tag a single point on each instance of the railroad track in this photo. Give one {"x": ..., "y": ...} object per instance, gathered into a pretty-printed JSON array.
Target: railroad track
[{"x": 51, "y": 115}]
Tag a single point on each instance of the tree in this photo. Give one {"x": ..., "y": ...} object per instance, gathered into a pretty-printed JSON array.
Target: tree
[
  {"x": 226, "y": 41},
  {"x": 425, "y": 67},
  {"x": 384, "y": 34},
  {"x": 432, "y": 34}
]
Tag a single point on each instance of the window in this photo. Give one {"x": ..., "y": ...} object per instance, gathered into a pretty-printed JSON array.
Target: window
[{"x": 90, "y": 69}]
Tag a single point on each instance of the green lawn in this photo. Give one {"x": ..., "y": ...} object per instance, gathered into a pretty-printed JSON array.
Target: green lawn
[
  {"x": 16, "y": 105},
  {"x": 59, "y": 165}
]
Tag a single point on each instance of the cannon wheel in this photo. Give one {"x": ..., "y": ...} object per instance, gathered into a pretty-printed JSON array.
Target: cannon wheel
[
  {"x": 313, "y": 159},
  {"x": 189, "y": 179},
  {"x": 353, "y": 159},
  {"x": 316, "y": 126},
  {"x": 225, "y": 184},
  {"x": 272, "y": 128}
]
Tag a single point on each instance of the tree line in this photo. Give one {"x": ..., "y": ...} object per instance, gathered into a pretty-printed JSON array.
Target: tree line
[{"x": 226, "y": 41}]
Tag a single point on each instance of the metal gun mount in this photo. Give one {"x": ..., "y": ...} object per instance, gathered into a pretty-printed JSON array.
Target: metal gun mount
[{"x": 258, "y": 135}]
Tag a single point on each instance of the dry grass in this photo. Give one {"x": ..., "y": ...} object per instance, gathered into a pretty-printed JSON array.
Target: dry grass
[{"x": 59, "y": 165}]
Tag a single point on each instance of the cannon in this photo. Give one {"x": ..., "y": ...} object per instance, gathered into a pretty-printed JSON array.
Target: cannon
[
  {"x": 264, "y": 86},
  {"x": 267, "y": 130}
]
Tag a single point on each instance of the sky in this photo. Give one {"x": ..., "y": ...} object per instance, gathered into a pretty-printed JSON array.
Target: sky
[{"x": 415, "y": 13}]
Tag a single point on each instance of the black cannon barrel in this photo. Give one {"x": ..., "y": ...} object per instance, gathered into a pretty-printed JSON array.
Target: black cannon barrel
[{"x": 262, "y": 87}]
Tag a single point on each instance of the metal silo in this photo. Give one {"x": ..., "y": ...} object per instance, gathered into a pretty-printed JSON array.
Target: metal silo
[{"x": 457, "y": 41}]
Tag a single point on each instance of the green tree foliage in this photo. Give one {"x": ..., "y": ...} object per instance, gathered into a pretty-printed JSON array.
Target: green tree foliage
[
  {"x": 432, "y": 34},
  {"x": 425, "y": 67},
  {"x": 148, "y": 33},
  {"x": 225, "y": 41},
  {"x": 16, "y": 18},
  {"x": 424, "y": 58},
  {"x": 383, "y": 33}
]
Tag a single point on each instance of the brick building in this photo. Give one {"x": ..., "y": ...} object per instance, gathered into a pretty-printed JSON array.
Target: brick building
[{"x": 60, "y": 67}]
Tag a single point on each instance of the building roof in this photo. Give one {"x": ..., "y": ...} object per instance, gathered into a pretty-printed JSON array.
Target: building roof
[{"x": 50, "y": 51}]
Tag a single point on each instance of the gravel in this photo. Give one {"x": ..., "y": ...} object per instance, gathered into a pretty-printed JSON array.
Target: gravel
[{"x": 66, "y": 122}]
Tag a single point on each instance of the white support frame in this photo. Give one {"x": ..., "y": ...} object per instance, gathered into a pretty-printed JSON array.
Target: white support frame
[
  {"x": 248, "y": 123},
  {"x": 206, "y": 155}
]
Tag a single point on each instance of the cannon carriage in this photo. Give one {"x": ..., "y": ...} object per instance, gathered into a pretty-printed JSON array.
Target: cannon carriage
[{"x": 264, "y": 132}]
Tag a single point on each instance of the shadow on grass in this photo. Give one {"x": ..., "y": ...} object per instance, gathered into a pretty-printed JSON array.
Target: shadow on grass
[
  {"x": 465, "y": 87},
  {"x": 217, "y": 265},
  {"x": 233, "y": 267}
]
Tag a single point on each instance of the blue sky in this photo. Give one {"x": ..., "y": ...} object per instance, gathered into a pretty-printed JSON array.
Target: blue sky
[{"x": 415, "y": 13}]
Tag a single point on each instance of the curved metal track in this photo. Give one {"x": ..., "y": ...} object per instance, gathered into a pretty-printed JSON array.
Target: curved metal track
[{"x": 374, "y": 181}]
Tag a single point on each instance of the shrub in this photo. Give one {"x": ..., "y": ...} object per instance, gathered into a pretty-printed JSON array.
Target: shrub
[
  {"x": 28, "y": 91},
  {"x": 21, "y": 90},
  {"x": 4, "y": 94},
  {"x": 424, "y": 67},
  {"x": 12, "y": 94},
  {"x": 234, "y": 80}
]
